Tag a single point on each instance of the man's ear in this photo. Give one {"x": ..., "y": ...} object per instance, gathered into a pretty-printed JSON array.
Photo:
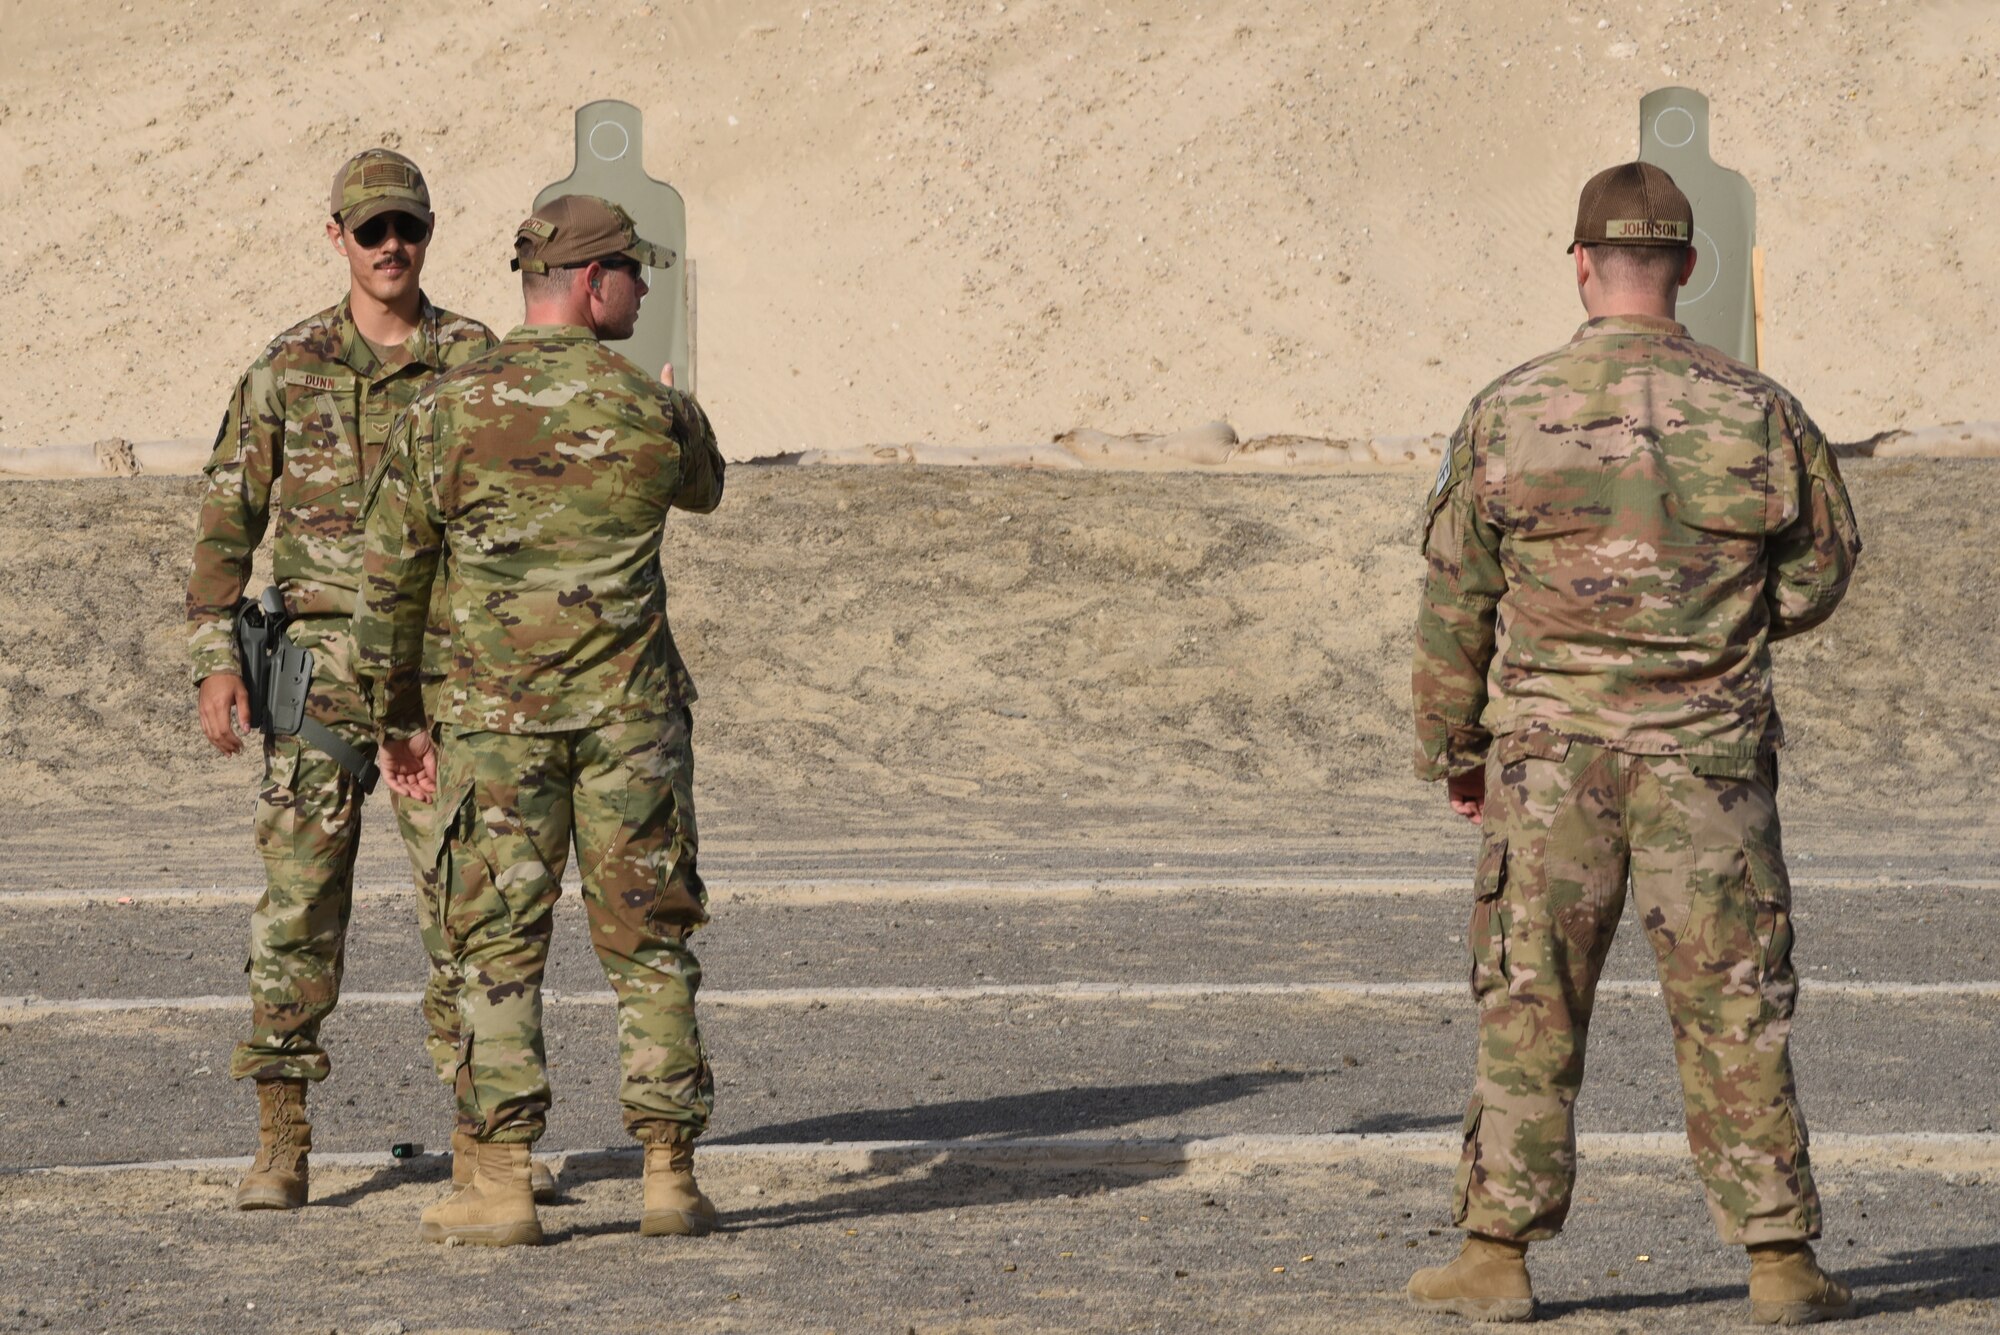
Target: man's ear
[
  {"x": 1687, "y": 270},
  {"x": 336, "y": 234}
]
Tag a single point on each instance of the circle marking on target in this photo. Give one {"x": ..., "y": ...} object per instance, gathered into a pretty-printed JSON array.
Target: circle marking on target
[
  {"x": 1682, "y": 124},
  {"x": 1705, "y": 244},
  {"x": 624, "y": 142}
]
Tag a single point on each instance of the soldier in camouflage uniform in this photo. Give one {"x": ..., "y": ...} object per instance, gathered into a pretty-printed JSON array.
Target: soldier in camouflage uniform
[
  {"x": 1620, "y": 530},
  {"x": 534, "y": 485},
  {"x": 303, "y": 431}
]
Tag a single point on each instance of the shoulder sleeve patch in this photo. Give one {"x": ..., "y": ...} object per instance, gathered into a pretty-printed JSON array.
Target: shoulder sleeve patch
[{"x": 1444, "y": 473}]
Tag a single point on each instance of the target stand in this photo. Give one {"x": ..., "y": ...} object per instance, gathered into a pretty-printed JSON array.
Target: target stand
[
  {"x": 610, "y": 163},
  {"x": 1720, "y": 304}
]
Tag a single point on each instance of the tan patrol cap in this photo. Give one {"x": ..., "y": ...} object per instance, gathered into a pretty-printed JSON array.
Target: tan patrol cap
[
  {"x": 1633, "y": 204},
  {"x": 379, "y": 181},
  {"x": 572, "y": 230}
]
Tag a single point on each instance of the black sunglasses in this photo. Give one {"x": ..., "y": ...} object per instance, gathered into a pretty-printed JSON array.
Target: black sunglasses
[
  {"x": 412, "y": 230},
  {"x": 621, "y": 263}
]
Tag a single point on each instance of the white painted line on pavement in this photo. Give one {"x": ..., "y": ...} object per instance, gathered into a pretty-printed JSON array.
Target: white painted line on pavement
[
  {"x": 29, "y": 1006},
  {"x": 752, "y": 889},
  {"x": 1910, "y": 1149}
]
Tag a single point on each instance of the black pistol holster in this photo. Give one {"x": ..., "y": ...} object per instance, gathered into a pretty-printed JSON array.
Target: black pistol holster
[{"x": 278, "y": 675}]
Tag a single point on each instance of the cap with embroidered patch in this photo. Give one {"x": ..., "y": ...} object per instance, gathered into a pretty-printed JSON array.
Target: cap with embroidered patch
[
  {"x": 572, "y": 230},
  {"x": 1633, "y": 204},
  {"x": 379, "y": 181}
]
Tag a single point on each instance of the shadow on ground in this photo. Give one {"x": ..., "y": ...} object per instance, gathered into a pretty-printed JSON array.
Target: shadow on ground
[
  {"x": 1047, "y": 1112},
  {"x": 1906, "y": 1282},
  {"x": 924, "y": 1180}
]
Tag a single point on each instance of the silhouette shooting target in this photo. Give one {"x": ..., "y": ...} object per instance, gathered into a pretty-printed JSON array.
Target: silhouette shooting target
[
  {"x": 609, "y": 162},
  {"x": 1718, "y": 305}
]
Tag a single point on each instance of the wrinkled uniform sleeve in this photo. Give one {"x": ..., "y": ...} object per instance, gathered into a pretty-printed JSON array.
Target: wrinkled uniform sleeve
[
  {"x": 1463, "y": 582},
  {"x": 700, "y": 487},
  {"x": 235, "y": 509},
  {"x": 1813, "y": 558},
  {"x": 403, "y": 538}
]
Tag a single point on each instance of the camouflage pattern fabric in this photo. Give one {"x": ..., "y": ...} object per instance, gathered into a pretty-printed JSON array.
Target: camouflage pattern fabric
[
  {"x": 303, "y": 433},
  {"x": 1618, "y": 532},
  {"x": 305, "y": 427},
  {"x": 309, "y": 833},
  {"x": 1565, "y": 823},
  {"x": 509, "y": 805},
  {"x": 551, "y": 464},
  {"x": 546, "y": 471}
]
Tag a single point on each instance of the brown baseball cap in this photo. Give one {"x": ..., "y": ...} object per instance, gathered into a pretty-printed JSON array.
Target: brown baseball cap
[
  {"x": 1633, "y": 204},
  {"x": 572, "y": 230},
  {"x": 378, "y": 181}
]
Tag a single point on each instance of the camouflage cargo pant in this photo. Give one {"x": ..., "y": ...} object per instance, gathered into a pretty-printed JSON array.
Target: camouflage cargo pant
[
  {"x": 309, "y": 833},
  {"x": 509, "y": 806},
  {"x": 1565, "y": 824}
]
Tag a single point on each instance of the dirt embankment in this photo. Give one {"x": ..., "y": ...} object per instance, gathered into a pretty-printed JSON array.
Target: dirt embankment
[{"x": 910, "y": 659}]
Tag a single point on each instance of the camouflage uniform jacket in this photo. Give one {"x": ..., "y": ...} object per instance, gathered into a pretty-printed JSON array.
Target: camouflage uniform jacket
[
  {"x": 539, "y": 477},
  {"x": 1618, "y": 532},
  {"x": 308, "y": 420}
]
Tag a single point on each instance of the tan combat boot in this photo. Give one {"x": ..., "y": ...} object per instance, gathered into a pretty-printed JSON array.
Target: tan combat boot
[
  {"x": 674, "y": 1204},
  {"x": 1787, "y": 1287},
  {"x": 541, "y": 1178},
  {"x": 495, "y": 1209},
  {"x": 1488, "y": 1282},
  {"x": 277, "y": 1177}
]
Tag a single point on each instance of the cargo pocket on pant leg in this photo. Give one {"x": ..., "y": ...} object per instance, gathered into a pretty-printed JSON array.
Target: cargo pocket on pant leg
[
  {"x": 1770, "y": 892},
  {"x": 1802, "y": 1187},
  {"x": 1798, "y": 1116},
  {"x": 278, "y": 800},
  {"x": 276, "y": 823},
  {"x": 452, "y": 822},
  {"x": 1486, "y": 935},
  {"x": 1468, "y": 1164},
  {"x": 680, "y": 902},
  {"x": 465, "y": 1089}
]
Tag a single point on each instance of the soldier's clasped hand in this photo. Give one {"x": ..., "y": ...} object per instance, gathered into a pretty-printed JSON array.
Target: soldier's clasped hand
[
  {"x": 1468, "y": 794},
  {"x": 410, "y": 767}
]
